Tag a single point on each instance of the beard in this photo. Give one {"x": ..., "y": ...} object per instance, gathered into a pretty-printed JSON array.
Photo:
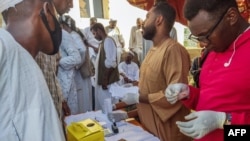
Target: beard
[{"x": 149, "y": 32}]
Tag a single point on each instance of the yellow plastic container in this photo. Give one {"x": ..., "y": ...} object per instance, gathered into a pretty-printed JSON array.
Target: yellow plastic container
[{"x": 86, "y": 130}]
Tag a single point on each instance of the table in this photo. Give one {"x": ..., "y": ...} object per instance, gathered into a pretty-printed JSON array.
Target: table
[{"x": 129, "y": 130}]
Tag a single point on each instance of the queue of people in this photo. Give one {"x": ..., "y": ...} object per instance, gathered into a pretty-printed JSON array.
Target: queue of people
[{"x": 63, "y": 70}]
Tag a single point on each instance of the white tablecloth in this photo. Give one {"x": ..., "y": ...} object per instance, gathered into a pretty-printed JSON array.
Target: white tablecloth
[{"x": 127, "y": 130}]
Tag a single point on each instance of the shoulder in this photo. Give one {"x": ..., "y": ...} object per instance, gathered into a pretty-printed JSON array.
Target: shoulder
[{"x": 109, "y": 39}]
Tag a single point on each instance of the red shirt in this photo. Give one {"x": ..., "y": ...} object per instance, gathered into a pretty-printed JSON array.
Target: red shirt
[{"x": 225, "y": 89}]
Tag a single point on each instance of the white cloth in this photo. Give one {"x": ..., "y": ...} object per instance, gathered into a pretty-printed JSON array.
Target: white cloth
[
  {"x": 83, "y": 85},
  {"x": 127, "y": 130},
  {"x": 136, "y": 42},
  {"x": 91, "y": 40},
  {"x": 120, "y": 91},
  {"x": 173, "y": 33},
  {"x": 110, "y": 61},
  {"x": 27, "y": 110},
  {"x": 5, "y": 4},
  {"x": 117, "y": 36},
  {"x": 70, "y": 59},
  {"x": 130, "y": 70}
]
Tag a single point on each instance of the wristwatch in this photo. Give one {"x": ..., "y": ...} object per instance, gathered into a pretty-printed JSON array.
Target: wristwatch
[{"x": 228, "y": 119}]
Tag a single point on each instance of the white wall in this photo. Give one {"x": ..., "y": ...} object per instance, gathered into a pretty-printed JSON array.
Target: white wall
[{"x": 126, "y": 16}]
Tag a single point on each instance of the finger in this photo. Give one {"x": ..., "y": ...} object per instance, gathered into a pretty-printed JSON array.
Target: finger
[
  {"x": 187, "y": 124},
  {"x": 191, "y": 116},
  {"x": 188, "y": 130},
  {"x": 169, "y": 92},
  {"x": 173, "y": 101},
  {"x": 171, "y": 98},
  {"x": 193, "y": 134}
]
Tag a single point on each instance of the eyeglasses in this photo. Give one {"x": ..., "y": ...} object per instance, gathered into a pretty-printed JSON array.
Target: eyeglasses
[{"x": 204, "y": 38}]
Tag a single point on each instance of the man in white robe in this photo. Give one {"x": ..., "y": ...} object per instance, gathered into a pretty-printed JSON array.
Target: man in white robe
[
  {"x": 70, "y": 59},
  {"x": 27, "y": 110},
  {"x": 106, "y": 66},
  {"x": 83, "y": 84},
  {"x": 129, "y": 70},
  {"x": 136, "y": 39},
  {"x": 113, "y": 31}
]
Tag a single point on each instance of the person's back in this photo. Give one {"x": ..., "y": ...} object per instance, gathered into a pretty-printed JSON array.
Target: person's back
[
  {"x": 28, "y": 112},
  {"x": 70, "y": 59}
]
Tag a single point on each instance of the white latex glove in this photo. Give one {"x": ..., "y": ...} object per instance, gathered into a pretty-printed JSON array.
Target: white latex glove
[
  {"x": 201, "y": 123},
  {"x": 130, "y": 98},
  {"x": 118, "y": 115},
  {"x": 176, "y": 92}
]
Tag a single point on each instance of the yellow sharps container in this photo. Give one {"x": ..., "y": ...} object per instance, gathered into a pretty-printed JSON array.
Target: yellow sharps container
[{"x": 86, "y": 130}]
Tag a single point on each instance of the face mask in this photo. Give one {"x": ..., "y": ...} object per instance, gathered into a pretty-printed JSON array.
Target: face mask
[{"x": 56, "y": 35}]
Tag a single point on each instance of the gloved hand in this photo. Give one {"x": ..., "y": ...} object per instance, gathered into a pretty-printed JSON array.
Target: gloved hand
[
  {"x": 118, "y": 115},
  {"x": 176, "y": 92},
  {"x": 130, "y": 98},
  {"x": 201, "y": 123}
]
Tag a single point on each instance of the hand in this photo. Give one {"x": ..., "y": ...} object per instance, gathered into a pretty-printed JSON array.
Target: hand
[
  {"x": 201, "y": 123},
  {"x": 105, "y": 84},
  {"x": 66, "y": 109},
  {"x": 126, "y": 79},
  {"x": 130, "y": 98},
  {"x": 96, "y": 50},
  {"x": 118, "y": 115},
  {"x": 175, "y": 92}
]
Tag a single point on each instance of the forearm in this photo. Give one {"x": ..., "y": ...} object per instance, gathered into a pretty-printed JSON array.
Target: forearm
[
  {"x": 143, "y": 99},
  {"x": 192, "y": 100}
]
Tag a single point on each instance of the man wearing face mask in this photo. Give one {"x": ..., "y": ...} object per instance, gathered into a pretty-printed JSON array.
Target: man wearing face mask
[
  {"x": 49, "y": 63},
  {"x": 27, "y": 110}
]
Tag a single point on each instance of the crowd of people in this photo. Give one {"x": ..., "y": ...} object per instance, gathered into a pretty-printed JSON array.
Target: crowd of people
[{"x": 53, "y": 69}]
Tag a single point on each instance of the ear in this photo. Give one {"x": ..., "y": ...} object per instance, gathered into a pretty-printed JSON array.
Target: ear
[
  {"x": 46, "y": 8},
  {"x": 233, "y": 15},
  {"x": 159, "y": 20},
  {"x": 47, "y": 12}
]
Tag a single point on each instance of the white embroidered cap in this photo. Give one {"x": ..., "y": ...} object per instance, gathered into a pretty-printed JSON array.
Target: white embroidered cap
[{"x": 6, "y": 4}]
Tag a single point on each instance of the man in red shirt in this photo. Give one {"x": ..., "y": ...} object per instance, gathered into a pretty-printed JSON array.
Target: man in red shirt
[{"x": 224, "y": 93}]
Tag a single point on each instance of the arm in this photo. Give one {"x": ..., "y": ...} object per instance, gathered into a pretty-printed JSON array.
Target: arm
[
  {"x": 110, "y": 51},
  {"x": 72, "y": 60},
  {"x": 121, "y": 39},
  {"x": 178, "y": 60},
  {"x": 110, "y": 60},
  {"x": 193, "y": 98},
  {"x": 80, "y": 45},
  {"x": 132, "y": 38}
]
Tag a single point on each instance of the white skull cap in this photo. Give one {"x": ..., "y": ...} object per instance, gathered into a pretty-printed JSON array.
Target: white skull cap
[{"x": 6, "y": 4}]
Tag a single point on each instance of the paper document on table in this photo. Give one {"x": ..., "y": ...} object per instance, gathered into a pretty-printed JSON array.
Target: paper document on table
[{"x": 120, "y": 90}]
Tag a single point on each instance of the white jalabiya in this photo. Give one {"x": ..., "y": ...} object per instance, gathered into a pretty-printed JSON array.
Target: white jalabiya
[
  {"x": 117, "y": 36},
  {"x": 5, "y": 4},
  {"x": 83, "y": 85},
  {"x": 136, "y": 42},
  {"x": 70, "y": 59},
  {"x": 130, "y": 70},
  {"x": 27, "y": 110},
  {"x": 91, "y": 40}
]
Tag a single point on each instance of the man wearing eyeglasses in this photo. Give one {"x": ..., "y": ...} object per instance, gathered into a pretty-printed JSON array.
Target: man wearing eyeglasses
[{"x": 224, "y": 93}]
